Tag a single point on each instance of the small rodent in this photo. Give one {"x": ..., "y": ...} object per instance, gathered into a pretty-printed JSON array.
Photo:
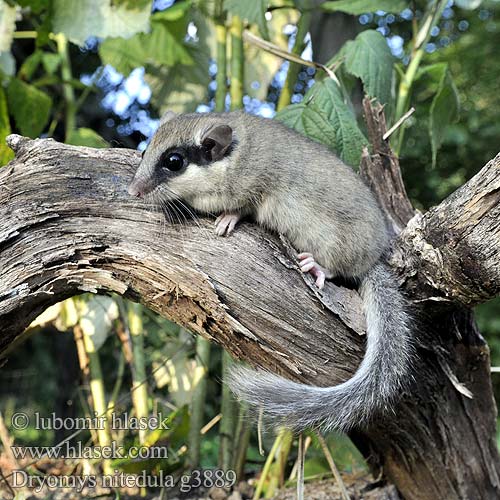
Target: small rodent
[{"x": 237, "y": 164}]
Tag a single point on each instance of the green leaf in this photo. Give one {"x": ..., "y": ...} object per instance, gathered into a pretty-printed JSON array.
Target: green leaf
[
  {"x": 86, "y": 137},
  {"x": 7, "y": 63},
  {"x": 51, "y": 62},
  {"x": 369, "y": 58},
  {"x": 317, "y": 126},
  {"x": 175, "y": 12},
  {"x": 468, "y": 4},
  {"x": 326, "y": 118},
  {"x": 443, "y": 111},
  {"x": 130, "y": 4},
  {"x": 6, "y": 154},
  {"x": 164, "y": 46},
  {"x": 96, "y": 317},
  {"x": 261, "y": 66},
  {"x": 181, "y": 88},
  {"x": 30, "y": 65},
  {"x": 101, "y": 18},
  {"x": 253, "y": 11},
  {"x": 291, "y": 116},
  {"x": 311, "y": 121},
  {"x": 8, "y": 16},
  {"x": 29, "y": 106},
  {"x": 356, "y": 7},
  {"x": 326, "y": 96}
]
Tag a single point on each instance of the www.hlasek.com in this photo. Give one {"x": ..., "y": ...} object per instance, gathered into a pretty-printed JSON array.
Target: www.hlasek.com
[
  {"x": 186, "y": 483},
  {"x": 78, "y": 451}
]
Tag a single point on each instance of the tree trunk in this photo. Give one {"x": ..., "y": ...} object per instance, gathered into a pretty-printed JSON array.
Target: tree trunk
[{"x": 67, "y": 226}]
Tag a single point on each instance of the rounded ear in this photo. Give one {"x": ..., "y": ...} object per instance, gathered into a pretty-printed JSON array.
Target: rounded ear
[
  {"x": 216, "y": 141},
  {"x": 166, "y": 117}
]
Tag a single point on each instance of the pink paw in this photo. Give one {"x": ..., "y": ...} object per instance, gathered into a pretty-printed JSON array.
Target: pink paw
[
  {"x": 226, "y": 222},
  {"x": 309, "y": 265}
]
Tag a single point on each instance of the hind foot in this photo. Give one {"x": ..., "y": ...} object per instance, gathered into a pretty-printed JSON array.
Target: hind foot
[
  {"x": 307, "y": 264},
  {"x": 226, "y": 222}
]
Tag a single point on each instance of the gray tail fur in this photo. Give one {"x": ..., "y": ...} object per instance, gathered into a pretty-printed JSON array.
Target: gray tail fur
[{"x": 374, "y": 387}]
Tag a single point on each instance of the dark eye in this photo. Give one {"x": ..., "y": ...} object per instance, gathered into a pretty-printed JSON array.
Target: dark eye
[{"x": 173, "y": 162}]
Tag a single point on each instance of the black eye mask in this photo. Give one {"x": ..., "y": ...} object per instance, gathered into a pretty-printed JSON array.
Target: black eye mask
[{"x": 216, "y": 143}]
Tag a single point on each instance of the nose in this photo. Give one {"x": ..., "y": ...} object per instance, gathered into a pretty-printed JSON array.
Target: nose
[{"x": 135, "y": 189}]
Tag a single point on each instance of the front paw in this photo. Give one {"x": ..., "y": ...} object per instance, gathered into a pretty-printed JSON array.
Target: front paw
[{"x": 226, "y": 222}]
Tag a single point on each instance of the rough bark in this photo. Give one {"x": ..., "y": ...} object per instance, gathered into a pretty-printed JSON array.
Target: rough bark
[{"x": 67, "y": 226}]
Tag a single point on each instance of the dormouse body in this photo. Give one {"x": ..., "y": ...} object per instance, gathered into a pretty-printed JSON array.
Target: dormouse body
[{"x": 234, "y": 165}]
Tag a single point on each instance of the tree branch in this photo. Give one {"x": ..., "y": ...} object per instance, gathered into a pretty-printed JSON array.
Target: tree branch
[
  {"x": 68, "y": 226},
  {"x": 451, "y": 253}
]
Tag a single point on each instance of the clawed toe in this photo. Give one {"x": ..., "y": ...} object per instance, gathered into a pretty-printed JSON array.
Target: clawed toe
[
  {"x": 307, "y": 264},
  {"x": 225, "y": 223}
]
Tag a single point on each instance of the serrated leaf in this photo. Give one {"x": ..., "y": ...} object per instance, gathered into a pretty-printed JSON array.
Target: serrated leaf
[
  {"x": 317, "y": 126},
  {"x": 443, "y": 111},
  {"x": 326, "y": 118},
  {"x": 8, "y": 16},
  {"x": 6, "y": 154},
  {"x": 369, "y": 58},
  {"x": 164, "y": 46},
  {"x": 101, "y": 18},
  {"x": 326, "y": 96},
  {"x": 253, "y": 11},
  {"x": 310, "y": 121},
  {"x": 291, "y": 116},
  {"x": 29, "y": 106},
  {"x": 356, "y": 7},
  {"x": 86, "y": 137}
]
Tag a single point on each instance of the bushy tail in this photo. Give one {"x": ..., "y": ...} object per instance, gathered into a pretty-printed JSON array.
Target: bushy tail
[{"x": 374, "y": 387}]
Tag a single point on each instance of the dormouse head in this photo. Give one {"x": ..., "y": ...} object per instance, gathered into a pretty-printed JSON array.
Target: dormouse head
[{"x": 180, "y": 154}]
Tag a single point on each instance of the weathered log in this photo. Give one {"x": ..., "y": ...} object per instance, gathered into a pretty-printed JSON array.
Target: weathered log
[{"x": 67, "y": 226}]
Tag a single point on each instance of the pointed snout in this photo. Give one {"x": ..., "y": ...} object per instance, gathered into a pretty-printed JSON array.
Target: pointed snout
[
  {"x": 135, "y": 190},
  {"x": 139, "y": 187}
]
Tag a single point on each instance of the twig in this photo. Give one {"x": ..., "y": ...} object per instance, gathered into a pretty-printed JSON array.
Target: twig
[
  {"x": 398, "y": 123},
  {"x": 4, "y": 479},
  {"x": 293, "y": 473},
  {"x": 333, "y": 467},
  {"x": 210, "y": 424},
  {"x": 285, "y": 54},
  {"x": 267, "y": 466},
  {"x": 300, "y": 461},
  {"x": 203, "y": 431},
  {"x": 259, "y": 431}
]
